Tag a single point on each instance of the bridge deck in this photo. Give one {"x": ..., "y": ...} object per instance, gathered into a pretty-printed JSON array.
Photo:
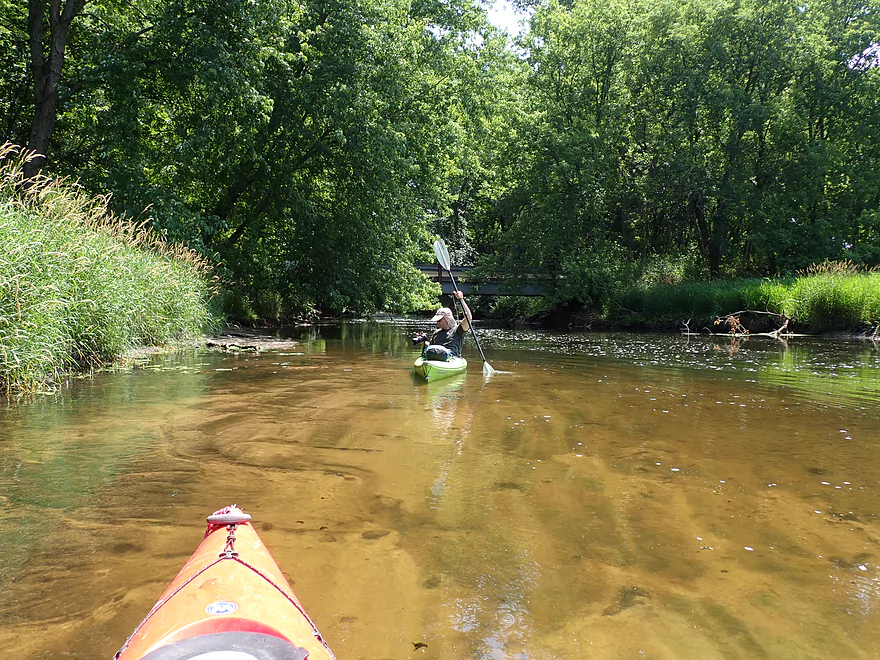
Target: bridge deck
[{"x": 460, "y": 273}]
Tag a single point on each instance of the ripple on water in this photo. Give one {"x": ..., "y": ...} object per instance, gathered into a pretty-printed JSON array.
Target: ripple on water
[{"x": 553, "y": 513}]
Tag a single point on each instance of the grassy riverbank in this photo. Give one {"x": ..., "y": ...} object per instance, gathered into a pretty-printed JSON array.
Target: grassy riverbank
[
  {"x": 79, "y": 287},
  {"x": 827, "y": 297}
]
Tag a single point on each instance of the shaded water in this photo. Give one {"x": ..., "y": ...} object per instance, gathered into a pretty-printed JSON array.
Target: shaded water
[{"x": 613, "y": 496}]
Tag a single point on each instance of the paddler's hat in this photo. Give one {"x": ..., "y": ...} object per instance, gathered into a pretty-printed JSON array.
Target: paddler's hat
[{"x": 444, "y": 313}]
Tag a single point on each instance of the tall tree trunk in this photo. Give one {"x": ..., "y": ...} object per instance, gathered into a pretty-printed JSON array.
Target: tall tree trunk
[
  {"x": 46, "y": 71},
  {"x": 704, "y": 236},
  {"x": 718, "y": 240}
]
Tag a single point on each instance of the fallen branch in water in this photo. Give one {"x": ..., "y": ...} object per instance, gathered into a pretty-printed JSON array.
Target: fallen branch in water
[
  {"x": 738, "y": 328},
  {"x": 779, "y": 330}
]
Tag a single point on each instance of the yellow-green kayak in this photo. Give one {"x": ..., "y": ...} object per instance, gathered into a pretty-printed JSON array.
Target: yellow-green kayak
[{"x": 431, "y": 370}]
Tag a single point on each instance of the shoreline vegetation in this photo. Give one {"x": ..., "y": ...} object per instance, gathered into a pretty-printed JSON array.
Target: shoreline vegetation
[
  {"x": 828, "y": 297},
  {"x": 79, "y": 286},
  {"x": 638, "y": 161}
]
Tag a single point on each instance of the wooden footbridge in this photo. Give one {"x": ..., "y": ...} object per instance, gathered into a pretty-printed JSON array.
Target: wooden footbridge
[{"x": 483, "y": 288}]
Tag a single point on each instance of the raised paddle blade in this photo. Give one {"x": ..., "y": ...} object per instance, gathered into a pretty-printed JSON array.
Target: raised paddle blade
[{"x": 442, "y": 253}]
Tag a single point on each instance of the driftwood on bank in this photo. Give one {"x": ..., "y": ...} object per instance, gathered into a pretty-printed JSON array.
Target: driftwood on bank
[
  {"x": 734, "y": 320},
  {"x": 739, "y": 329},
  {"x": 242, "y": 340}
]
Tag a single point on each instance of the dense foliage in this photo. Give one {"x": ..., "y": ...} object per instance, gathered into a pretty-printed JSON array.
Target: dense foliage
[
  {"x": 719, "y": 137},
  {"x": 312, "y": 148}
]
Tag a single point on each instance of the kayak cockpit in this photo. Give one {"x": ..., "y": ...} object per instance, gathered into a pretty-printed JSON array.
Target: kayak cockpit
[{"x": 233, "y": 645}]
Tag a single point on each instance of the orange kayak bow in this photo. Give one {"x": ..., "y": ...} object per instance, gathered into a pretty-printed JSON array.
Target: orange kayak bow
[{"x": 230, "y": 600}]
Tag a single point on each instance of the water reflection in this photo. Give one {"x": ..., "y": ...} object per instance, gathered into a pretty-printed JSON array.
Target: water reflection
[
  {"x": 612, "y": 496},
  {"x": 59, "y": 452},
  {"x": 496, "y": 614},
  {"x": 839, "y": 372}
]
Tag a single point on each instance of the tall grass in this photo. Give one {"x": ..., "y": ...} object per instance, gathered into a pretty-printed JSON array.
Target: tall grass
[
  {"x": 830, "y": 296},
  {"x": 80, "y": 286}
]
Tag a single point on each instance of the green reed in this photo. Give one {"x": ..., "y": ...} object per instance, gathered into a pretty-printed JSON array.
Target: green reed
[
  {"x": 79, "y": 287},
  {"x": 830, "y": 296}
]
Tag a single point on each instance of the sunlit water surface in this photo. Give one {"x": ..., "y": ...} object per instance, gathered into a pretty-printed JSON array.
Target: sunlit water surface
[{"x": 609, "y": 496}]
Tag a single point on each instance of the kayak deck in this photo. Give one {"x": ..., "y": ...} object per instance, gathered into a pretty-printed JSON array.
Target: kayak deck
[
  {"x": 229, "y": 598},
  {"x": 431, "y": 370}
]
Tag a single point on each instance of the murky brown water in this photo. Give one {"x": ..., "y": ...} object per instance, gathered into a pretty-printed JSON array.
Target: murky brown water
[{"x": 611, "y": 497}]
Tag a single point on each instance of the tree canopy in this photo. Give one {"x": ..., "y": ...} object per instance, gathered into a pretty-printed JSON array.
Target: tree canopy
[{"x": 314, "y": 147}]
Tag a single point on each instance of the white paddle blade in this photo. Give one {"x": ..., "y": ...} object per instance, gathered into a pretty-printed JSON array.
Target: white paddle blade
[
  {"x": 442, "y": 253},
  {"x": 487, "y": 369}
]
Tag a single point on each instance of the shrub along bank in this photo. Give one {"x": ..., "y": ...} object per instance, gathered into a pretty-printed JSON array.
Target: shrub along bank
[
  {"x": 827, "y": 297},
  {"x": 79, "y": 287}
]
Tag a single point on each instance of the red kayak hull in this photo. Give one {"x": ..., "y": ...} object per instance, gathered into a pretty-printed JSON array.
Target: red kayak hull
[{"x": 230, "y": 595}]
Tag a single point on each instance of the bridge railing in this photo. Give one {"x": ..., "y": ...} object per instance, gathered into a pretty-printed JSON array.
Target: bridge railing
[{"x": 534, "y": 284}]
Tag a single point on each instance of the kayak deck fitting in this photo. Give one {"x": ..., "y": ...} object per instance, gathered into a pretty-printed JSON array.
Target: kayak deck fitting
[
  {"x": 431, "y": 370},
  {"x": 229, "y": 600}
]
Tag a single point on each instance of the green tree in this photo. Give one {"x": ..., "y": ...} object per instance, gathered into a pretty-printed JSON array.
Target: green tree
[
  {"x": 735, "y": 135},
  {"x": 561, "y": 211},
  {"x": 15, "y": 84},
  {"x": 48, "y": 30},
  {"x": 306, "y": 144}
]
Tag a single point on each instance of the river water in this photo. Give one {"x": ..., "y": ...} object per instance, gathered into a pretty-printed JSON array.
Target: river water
[{"x": 606, "y": 496}]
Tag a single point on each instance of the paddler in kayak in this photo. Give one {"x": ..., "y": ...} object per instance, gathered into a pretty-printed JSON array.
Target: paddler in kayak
[{"x": 449, "y": 336}]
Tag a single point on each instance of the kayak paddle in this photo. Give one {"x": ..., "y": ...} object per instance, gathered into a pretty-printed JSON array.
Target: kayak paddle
[{"x": 443, "y": 257}]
